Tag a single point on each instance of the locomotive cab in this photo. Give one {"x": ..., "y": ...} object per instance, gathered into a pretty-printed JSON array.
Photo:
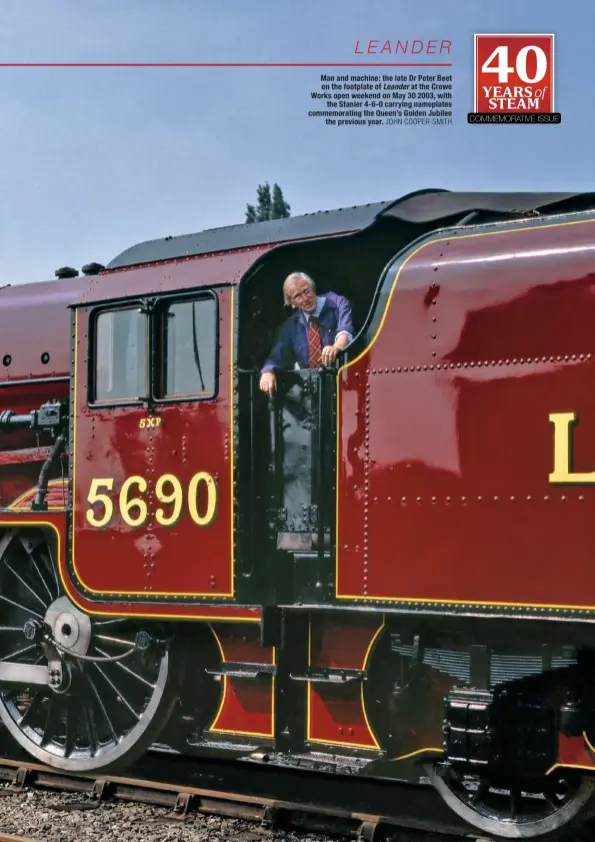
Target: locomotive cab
[
  {"x": 180, "y": 466},
  {"x": 183, "y": 477},
  {"x": 287, "y": 445}
]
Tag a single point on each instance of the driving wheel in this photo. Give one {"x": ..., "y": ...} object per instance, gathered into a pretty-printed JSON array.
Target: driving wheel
[
  {"x": 559, "y": 802},
  {"x": 112, "y": 681}
]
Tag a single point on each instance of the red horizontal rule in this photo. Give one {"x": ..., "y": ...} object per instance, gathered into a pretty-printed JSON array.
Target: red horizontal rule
[{"x": 223, "y": 64}]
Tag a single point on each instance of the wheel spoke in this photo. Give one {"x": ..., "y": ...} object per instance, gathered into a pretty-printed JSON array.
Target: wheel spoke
[
  {"x": 117, "y": 640},
  {"x": 6, "y": 540},
  {"x": 99, "y": 701},
  {"x": 39, "y": 573},
  {"x": 33, "y": 709},
  {"x": 52, "y": 721},
  {"x": 21, "y": 607},
  {"x": 552, "y": 804},
  {"x": 479, "y": 792},
  {"x": 110, "y": 622},
  {"x": 52, "y": 568},
  {"x": 90, "y": 728},
  {"x": 69, "y": 731},
  {"x": 127, "y": 669},
  {"x": 116, "y": 691},
  {"x": 515, "y": 802},
  {"x": 19, "y": 652},
  {"x": 25, "y": 585}
]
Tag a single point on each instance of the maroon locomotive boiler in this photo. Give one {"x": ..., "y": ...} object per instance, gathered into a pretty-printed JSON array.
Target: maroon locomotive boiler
[{"x": 388, "y": 568}]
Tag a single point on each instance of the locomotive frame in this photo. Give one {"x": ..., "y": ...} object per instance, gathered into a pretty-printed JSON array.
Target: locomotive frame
[{"x": 312, "y": 649}]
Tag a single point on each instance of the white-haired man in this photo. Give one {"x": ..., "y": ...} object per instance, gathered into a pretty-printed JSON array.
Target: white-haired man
[{"x": 320, "y": 327}]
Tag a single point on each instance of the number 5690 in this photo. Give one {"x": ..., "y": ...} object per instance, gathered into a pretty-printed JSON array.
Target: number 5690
[{"x": 134, "y": 510}]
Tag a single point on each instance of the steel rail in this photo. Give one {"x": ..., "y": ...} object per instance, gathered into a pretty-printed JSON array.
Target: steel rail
[
  {"x": 8, "y": 837},
  {"x": 183, "y": 801}
]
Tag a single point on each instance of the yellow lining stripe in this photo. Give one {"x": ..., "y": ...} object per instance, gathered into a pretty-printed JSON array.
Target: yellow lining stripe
[
  {"x": 309, "y": 696},
  {"x": 588, "y": 742},
  {"x": 14, "y": 506},
  {"x": 213, "y": 726},
  {"x": 570, "y": 766},
  {"x": 414, "y": 753},
  {"x": 210, "y": 594},
  {"x": 74, "y": 596}
]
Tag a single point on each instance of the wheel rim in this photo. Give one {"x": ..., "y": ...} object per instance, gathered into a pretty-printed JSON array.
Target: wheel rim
[
  {"x": 514, "y": 809},
  {"x": 108, "y": 712}
]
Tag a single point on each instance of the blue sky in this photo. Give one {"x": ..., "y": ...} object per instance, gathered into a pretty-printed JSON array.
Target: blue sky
[{"x": 94, "y": 160}]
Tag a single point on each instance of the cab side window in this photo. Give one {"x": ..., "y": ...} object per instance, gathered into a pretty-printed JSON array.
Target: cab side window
[
  {"x": 121, "y": 344},
  {"x": 189, "y": 346}
]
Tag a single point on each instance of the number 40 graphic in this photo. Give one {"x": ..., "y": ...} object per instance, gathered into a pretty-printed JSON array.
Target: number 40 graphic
[{"x": 514, "y": 73}]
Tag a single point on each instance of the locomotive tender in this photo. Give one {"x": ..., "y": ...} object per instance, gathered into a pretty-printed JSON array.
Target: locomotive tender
[{"x": 385, "y": 570}]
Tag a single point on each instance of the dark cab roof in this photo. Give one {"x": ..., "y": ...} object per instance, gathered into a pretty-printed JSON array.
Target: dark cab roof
[{"x": 423, "y": 207}]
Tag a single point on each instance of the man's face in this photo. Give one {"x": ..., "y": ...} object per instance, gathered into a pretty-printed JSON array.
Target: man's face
[{"x": 303, "y": 296}]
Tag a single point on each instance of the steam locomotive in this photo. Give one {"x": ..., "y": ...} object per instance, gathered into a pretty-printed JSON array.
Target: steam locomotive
[{"x": 385, "y": 570}]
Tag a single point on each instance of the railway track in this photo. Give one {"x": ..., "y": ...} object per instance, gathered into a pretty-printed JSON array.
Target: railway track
[
  {"x": 161, "y": 797},
  {"x": 8, "y": 837},
  {"x": 254, "y": 794}
]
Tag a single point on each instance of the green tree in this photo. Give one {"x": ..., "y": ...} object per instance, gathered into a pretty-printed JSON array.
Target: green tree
[
  {"x": 268, "y": 206},
  {"x": 279, "y": 207}
]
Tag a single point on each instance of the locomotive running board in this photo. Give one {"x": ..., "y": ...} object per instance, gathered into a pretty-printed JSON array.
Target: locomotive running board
[
  {"x": 241, "y": 669},
  {"x": 11, "y": 672},
  {"x": 330, "y": 675}
]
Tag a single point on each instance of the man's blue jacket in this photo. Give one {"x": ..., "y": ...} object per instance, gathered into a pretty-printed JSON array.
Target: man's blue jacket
[{"x": 292, "y": 345}]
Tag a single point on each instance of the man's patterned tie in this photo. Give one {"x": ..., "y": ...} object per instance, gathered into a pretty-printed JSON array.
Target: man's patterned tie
[{"x": 314, "y": 343}]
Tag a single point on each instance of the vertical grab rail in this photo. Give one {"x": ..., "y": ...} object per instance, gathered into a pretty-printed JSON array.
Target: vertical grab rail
[
  {"x": 276, "y": 413},
  {"x": 331, "y": 488},
  {"x": 321, "y": 464},
  {"x": 253, "y": 518}
]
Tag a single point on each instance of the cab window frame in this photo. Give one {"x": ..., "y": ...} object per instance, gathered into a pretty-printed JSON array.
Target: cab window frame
[
  {"x": 159, "y": 356},
  {"x": 155, "y": 358},
  {"x": 92, "y": 368}
]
